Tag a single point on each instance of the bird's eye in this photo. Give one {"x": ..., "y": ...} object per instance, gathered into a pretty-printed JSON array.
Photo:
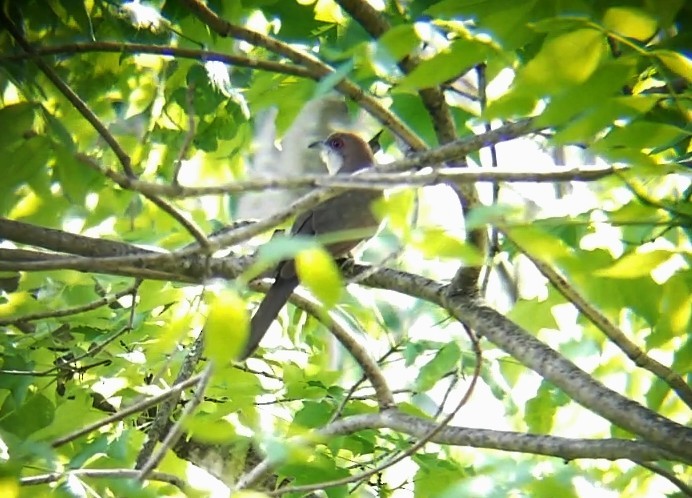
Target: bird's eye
[{"x": 336, "y": 143}]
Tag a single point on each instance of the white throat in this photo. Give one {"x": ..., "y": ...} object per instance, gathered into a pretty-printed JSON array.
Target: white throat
[{"x": 332, "y": 159}]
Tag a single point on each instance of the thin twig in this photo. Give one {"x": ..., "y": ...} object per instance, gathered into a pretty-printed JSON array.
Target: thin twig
[
  {"x": 166, "y": 50},
  {"x": 101, "y": 129},
  {"x": 412, "y": 450},
  {"x": 189, "y": 134},
  {"x": 494, "y": 245},
  {"x": 371, "y": 370},
  {"x": 177, "y": 429},
  {"x": 349, "y": 395},
  {"x": 126, "y": 412},
  {"x": 74, "y": 310},
  {"x": 657, "y": 469},
  {"x": 102, "y": 473},
  {"x": 158, "y": 426},
  {"x": 318, "y": 69}
]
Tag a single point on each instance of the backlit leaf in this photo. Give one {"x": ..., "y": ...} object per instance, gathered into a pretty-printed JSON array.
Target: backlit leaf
[
  {"x": 636, "y": 264},
  {"x": 676, "y": 62},
  {"x": 630, "y": 22},
  {"x": 438, "y": 243},
  {"x": 399, "y": 41},
  {"x": 226, "y": 328},
  {"x": 566, "y": 59},
  {"x": 318, "y": 272},
  {"x": 452, "y": 62}
]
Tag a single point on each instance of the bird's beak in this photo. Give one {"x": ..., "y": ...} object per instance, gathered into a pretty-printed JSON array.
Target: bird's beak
[{"x": 316, "y": 145}]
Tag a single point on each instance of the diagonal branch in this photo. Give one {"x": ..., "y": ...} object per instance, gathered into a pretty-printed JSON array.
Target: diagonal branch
[
  {"x": 313, "y": 64},
  {"x": 433, "y": 98},
  {"x": 70, "y": 95},
  {"x": 385, "y": 398},
  {"x": 617, "y": 336},
  {"x": 96, "y": 123}
]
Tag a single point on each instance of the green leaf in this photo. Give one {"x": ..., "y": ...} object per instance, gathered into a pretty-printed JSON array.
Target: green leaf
[
  {"x": 327, "y": 83},
  {"x": 445, "y": 360},
  {"x": 636, "y": 264},
  {"x": 567, "y": 59},
  {"x": 676, "y": 304},
  {"x": 676, "y": 62},
  {"x": 210, "y": 428},
  {"x": 410, "y": 109},
  {"x": 630, "y": 22},
  {"x": 505, "y": 21},
  {"x": 399, "y": 41},
  {"x": 560, "y": 24},
  {"x": 540, "y": 410},
  {"x": 539, "y": 243},
  {"x": 315, "y": 468},
  {"x": 279, "y": 248},
  {"x": 313, "y": 414},
  {"x": 642, "y": 135},
  {"x": 535, "y": 315},
  {"x": 451, "y": 63},
  {"x": 435, "y": 242},
  {"x": 436, "y": 474},
  {"x": 226, "y": 328},
  {"x": 25, "y": 163},
  {"x": 674, "y": 310},
  {"x": 24, "y": 419},
  {"x": 396, "y": 208},
  {"x": 606, "y": 81},
  {"x": 76, "y": 179},
  {"x": 318, "y": 272},
  {"x": 15, "y": 122},
  {"x": 586, "y": 127}
]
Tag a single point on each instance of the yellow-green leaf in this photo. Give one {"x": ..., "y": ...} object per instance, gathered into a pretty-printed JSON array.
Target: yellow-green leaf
[
  {"x": 637, "y": 264},
  {"x": 540, "y": 244},
  {"x": 630, "y": 22},
  {"x": 210, "y": 429},
  {"x": 567, "y": 59},
  {"x": 461, "y": 55},
  {"x": 399, "y": 41},
  {"x": 396, "y": 207},
  {"x": 675, "y": 306},
  {"x": 317, "y": 271},
  {"x": 676, "y": 62},
  {"x": 435, "y": 242},
  {"x": 227, "y": 327}
]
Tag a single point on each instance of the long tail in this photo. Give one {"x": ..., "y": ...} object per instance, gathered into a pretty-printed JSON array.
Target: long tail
[{"x": 268, "y": 309}]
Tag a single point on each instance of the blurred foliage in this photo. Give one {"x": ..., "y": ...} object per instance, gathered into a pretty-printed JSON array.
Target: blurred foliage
[{"x": 609, "y": 79}]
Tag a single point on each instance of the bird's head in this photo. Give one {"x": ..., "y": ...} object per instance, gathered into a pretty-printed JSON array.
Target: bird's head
[{"x": 345, "y": 152}]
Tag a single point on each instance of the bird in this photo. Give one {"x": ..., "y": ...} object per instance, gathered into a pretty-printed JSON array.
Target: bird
[{"x": 351, "y": 210}]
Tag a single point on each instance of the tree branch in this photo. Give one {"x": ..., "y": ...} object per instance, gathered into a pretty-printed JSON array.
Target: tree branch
[
  {"x": 617, "y": 336},
  {"x": 100, "y": 128},
  {"x": 313, "y": 64},
  {"x": 166, "y": 50}
]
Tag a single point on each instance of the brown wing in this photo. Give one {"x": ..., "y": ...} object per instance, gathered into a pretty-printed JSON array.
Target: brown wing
[{"x": 345, "y": 212}]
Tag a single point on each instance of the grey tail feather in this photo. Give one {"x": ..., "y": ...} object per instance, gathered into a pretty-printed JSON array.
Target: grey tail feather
[{"x": 267, "y": 311}]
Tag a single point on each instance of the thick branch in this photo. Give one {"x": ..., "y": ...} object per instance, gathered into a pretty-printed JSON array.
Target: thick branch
[
  {"x": 576, "y": 383},
  {"x": 486, "y": 322},
  {"x": 565, "y": 448},
  {"x": 617, "y": 336}
]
